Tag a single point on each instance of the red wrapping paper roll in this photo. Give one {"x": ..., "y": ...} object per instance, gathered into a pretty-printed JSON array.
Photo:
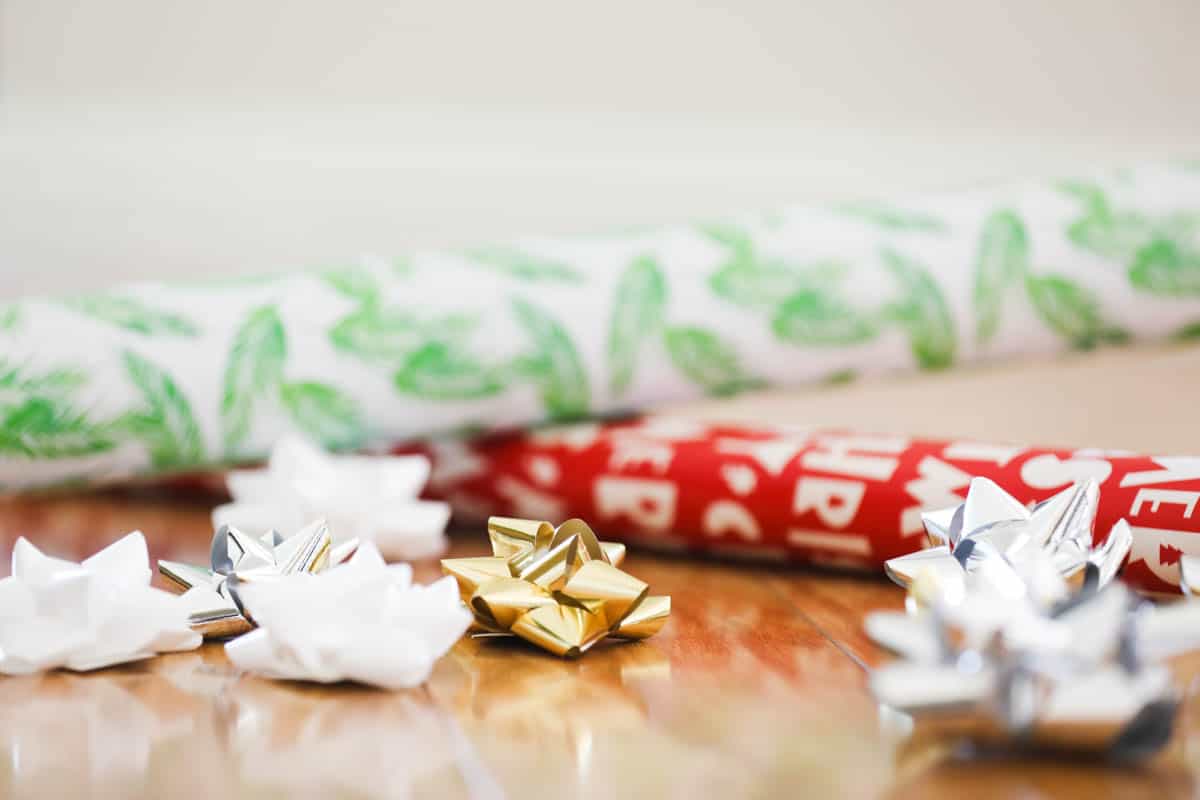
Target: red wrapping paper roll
[{"x": 831, "y": 498}]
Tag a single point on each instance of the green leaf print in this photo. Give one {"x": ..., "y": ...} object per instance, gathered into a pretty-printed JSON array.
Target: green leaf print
[
  {"x": 165, "y": 423},
  {"x": 641, "y": 298},
  {"x": 1071, "y": 310},
  {"x": 706, "y": 360},
  {"x": 1002, "y": 258},
  {"x": 1116, "y": 238},
  {"x": 254, "y": 370},
  {"x": 1102, "y": 229},
  {"x": 439, "y": 371},
  {"x": 524, "y": 266},
  {"x": 324, "y": 413},
  {"x": 378, "y": 334},
  {"x": 819, "y": 319},
  {"x": 133, "y": 315},
  {"x": 893, "y": 219},
  {"x": 554, "y": 363},
  {"x": 840, "y": 377},
  {"x": 763, "y": 285},
  {"x": 1187, "y": 332},
  {"x": 16, "y": 380},
  {"x": 44, "y": 427},
  {"x": 735, "y": 238},
  {"x": 1164, "y": 267},
  {"x": 10, "y": 316},
  {"x": 356, "y": 283},
  {"x": 923, "y": 312}
]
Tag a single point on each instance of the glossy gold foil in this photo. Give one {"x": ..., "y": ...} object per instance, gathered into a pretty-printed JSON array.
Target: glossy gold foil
[{"x": 559, "y": 588}]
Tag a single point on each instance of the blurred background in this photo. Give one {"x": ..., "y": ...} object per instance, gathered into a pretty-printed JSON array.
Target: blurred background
[{"x": 163, "y": 138}]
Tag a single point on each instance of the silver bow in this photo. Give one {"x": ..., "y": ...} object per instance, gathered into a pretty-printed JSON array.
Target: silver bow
[
  {"x": 236, "y": 558},
  {"x": 1056, "y": 533},
  {"x": 1016, "y": 633}
]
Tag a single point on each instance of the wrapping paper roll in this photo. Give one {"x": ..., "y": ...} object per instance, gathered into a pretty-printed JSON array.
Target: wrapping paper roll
[
  {"x": 833, "y": 498},
  {"x": 153, "y": 378}
]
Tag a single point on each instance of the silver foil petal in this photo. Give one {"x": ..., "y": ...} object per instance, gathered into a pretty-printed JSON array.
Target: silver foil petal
[
  {"x": 236, "y": 559},
  {"x": 1018, "y": 635}
]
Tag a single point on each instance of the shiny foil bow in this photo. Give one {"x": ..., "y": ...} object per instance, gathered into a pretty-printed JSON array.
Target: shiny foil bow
[
  {"x": 558, "y": 588},
  {"x": 1055, "y": 536},
  {"x": 211, "y": 593},
  {"x": 1017, "y": 635}
]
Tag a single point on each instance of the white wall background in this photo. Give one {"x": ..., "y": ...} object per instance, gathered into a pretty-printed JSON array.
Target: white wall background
[{"x": 152, "y": 138}]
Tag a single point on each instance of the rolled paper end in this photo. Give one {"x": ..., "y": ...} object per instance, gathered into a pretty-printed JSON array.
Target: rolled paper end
[{"x": 647, "y": 619}]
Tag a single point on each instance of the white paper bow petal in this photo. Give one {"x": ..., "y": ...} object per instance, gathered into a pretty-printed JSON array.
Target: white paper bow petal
[
  {"x": 126, "y": 560},
  {"x": 372, "y": 498},
  {"x": 362, "y": 621},
  {"x": 86, "y": 616}
]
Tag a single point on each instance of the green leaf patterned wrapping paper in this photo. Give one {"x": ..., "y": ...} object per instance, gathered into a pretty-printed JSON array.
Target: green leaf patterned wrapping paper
[{"x": 152, "y": 378}]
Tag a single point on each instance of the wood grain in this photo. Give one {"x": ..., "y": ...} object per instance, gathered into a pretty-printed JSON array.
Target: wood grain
[{"x": 756, "y": 688}]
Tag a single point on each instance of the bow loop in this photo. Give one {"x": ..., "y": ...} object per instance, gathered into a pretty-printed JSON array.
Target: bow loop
[{"x": 559, "y": 588}]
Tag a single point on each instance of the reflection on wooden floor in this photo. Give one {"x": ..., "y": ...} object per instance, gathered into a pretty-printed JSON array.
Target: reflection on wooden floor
[{"x": 756, "y": 688}]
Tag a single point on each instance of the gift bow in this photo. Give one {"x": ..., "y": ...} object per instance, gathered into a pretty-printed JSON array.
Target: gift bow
[{"x": 558, "y": 588}]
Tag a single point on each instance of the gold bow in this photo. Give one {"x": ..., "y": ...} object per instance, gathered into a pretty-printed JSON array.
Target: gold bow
[{"x": 558, "y": 588}]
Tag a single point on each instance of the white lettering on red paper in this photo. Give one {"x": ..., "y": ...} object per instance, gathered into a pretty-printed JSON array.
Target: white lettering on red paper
[
  {"x": 727, "y": 516},
  {"x": 773, "y": 455},
  {"x": 1174, "y": 469},
  {"x": 672, "y": 428},
  {"x": 648, "y": 503},
  {"x": 997, "y": 454},
  {"x": 1157, "y": 496},
  {"x": 543, "y": 470},
  {"x": 846, "y": 455},
  {"x": 1160, "y": 550},
  {"x": 740, "y": 479},
  {"x": 633, "y": 451},
  {"x": 933, "y": 488},
  {"x": 580, "y": 436},
  {"x": 835, "y": 500},
  {"x": 1048, "y": 471},
  {"x": 529, "y": 502}
]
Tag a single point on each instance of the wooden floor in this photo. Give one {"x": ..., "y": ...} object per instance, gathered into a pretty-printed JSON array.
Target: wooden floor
[{"x": 756, "y": 688}]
